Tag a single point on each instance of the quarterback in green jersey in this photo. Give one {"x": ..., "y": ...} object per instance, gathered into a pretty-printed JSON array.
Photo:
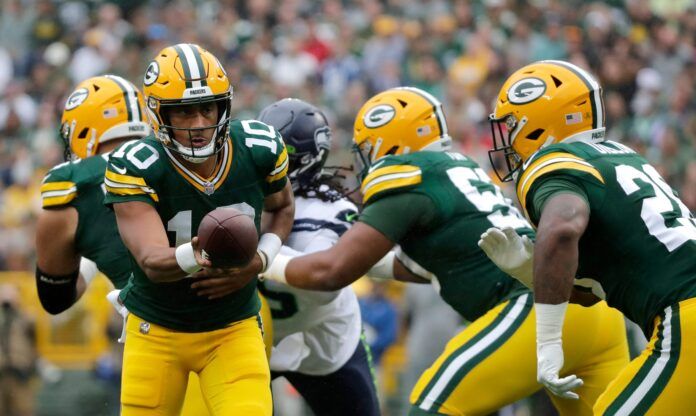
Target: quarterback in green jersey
[
  {"x": 432, "y": 205},
  {"x": 160, "y": 188},
  {"x": 602, "y": 213},
  {"x": 100, "y": 114}
]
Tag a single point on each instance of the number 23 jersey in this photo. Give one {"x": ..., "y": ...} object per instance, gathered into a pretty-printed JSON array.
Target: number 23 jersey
[
  {"x": 640, "y": 242},
  {"x": 251, "y": 165}
]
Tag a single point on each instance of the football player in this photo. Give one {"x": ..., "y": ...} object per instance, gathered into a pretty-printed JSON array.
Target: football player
[
  {"x": 433, "y": 204},
  {"x": 318, "y": 345},
  {"x": 100, "y": 114},
  {"x": 160, "y": 188},
  {"x": 601, "y": 211}
]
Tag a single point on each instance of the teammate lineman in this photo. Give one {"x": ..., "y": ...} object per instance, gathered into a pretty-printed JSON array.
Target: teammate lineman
[
  {"x": 435, "y": 204},
  {"x": 603, "y": 211},
  {"x": 99, "y": 115},
  {"x": 160, "y": 188}
]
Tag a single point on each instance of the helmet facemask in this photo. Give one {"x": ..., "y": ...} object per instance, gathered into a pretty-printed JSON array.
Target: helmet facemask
[
  {"x": 503, "y": 131},
  {"x": 193, "y": 154}
]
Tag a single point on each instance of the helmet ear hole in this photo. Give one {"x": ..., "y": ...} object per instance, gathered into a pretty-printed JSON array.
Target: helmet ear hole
[
  {"x": 557, "y": 82},
  {"x": 535, "y": 134},
  {"x": 83, "y": 133}
]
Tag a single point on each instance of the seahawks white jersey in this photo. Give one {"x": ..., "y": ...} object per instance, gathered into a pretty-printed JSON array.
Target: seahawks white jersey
[{"x": 314, "y": 333}]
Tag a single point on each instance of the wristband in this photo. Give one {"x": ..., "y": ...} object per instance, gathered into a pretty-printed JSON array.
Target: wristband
[
  {"x": 268, "y": 248},
  {"x": 276, "y": 271},
  {"x": 549, "y": 322},
  {"x": 186, "y": 259},
  {"x": 88, "y": 270},
  {"x": 384, "y": 268}
]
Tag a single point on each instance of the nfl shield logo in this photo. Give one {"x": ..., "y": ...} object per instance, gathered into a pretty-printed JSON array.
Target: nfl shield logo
[{"x": 209, "y": 188}]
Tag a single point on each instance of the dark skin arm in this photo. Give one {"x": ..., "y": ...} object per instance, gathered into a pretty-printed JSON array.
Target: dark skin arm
[
  {"x": 278, "y": 216},
  {"x": 55, "y": 244},
  {"x": 563, "y": 221}
]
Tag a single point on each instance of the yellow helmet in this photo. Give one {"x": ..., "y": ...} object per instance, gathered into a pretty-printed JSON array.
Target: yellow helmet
[
  {"x": 101, "y": 109},
  {"x": 187, "y": 74},
  {"x": 399, "y": 121},
  {"x": 540, "y": 104}
]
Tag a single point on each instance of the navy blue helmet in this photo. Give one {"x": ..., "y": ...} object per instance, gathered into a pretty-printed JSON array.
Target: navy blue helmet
[{"x": 307, "y": 137}]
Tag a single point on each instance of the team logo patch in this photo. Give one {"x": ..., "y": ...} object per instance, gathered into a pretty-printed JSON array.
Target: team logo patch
[
  {"x": 76, "y": 98},
  {"x": 151, "y": 73},
  {"x": 378, "y": 116},
  {"x": 526, "y": 90}
]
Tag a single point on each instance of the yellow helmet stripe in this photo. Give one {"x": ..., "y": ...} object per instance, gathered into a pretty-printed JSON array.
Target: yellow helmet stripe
[
  {"x": 595, "y": 91},
  {"x": 437, "y": 107},
  {"x": 130, "y": 96}
]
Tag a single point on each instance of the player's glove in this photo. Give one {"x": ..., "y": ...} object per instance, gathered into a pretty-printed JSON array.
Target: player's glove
[
  {"x": 510, "y": 252},
  {"x": 549, "y": 325}
]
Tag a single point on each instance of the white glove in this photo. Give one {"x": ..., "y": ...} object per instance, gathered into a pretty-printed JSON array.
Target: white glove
[
  {"x": 510, "y": 252},
  {"x": 549, "y": 324},
  {"x": 549, "y": 363}
]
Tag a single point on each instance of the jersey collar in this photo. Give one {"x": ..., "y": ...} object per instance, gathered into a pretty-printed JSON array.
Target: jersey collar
[{"x": 211, "y": 184}]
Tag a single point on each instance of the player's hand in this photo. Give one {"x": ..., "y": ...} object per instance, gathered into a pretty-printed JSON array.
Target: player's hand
[
  {"x": 549, "y": 364},
  {"x": 202, "y": 261},
  {"x": 218, "y": 282},
  {"x": 510, "y": 252}
]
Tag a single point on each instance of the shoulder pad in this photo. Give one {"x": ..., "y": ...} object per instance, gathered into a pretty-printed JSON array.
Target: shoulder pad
[
  {"x": 550, "y": 161},
  {"x": 387, "y": 177},
  {"x": 129, "y": 169},
  {"x": 58, "y": 186},
  {"x": 266, "y": 146}
]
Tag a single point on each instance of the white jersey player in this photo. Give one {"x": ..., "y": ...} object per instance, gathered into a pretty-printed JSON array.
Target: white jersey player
[{"x": 317, "y": 335}]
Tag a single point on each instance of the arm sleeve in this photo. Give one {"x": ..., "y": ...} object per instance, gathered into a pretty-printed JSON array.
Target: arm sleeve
[
  {"x": 125, "y": 182},
  {"x": 58, "y": 189},
  {"x": 396, "y": 215},
  {"x": 549, "y": 187},
  {"x": 276, "y": 166}
]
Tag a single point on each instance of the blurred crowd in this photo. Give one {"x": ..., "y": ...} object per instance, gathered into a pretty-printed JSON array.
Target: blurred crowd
[{"x": 337, "y": 53}]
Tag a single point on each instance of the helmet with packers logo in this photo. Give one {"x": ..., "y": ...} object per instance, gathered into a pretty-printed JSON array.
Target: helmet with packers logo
[
  {"x": 540, "y": 104},
  {"x": 399, "y": 121},
  {"x": 186, "y": 74},
  {"x": 101, "y": 109}
]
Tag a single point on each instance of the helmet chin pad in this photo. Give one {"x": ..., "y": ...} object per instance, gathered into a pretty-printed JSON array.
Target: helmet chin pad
[{"x": 195, "y": 154}]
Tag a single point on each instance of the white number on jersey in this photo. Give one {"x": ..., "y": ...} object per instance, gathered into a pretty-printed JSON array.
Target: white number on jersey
[
  {"x": 133, "y": 147},
  {"x": 486, "y": 196},
  {"x": 259, "y": 129},
  {"x": 654, "y": 207},
  {"x": 180, "y": 224}
]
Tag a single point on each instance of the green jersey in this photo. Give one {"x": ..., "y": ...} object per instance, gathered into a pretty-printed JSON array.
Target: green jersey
[
  {"x": 640, "y": 242},
  {"x": 435, "y": 206},
  {"x": 251, "y": 165},
  {"x": 80, "y": 184}
]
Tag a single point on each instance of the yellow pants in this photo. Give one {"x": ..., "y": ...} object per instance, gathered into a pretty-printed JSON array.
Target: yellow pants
[
  {"x": 492, "y": 362},
  {"x": 194, "y": 404},
  {"x": 661, "y": 380},
  {"x": 231, "y": 364}
]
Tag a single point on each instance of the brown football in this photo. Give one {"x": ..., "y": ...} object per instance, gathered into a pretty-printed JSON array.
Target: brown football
[{"x": 228, "y": 237}]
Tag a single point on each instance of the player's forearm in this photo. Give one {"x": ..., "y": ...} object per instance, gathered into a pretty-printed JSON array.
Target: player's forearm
[
  {"x": 555, "y": 264},
  {"x": 160, "y": 265},
  {"x": 319, "y": 271},
  {"x": 279, "y": 213}
]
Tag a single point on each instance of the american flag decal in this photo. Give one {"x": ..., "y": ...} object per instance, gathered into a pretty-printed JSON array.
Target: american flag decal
[
  {"x": 423, "y": 130},
  {"x": 573, "y": 118},
  {"x": 110, "y": 113}
]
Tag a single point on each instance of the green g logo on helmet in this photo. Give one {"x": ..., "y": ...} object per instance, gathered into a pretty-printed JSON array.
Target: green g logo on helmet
[
  {"x": 526, "y": 90},
  {"x": 378, "y": 116}
]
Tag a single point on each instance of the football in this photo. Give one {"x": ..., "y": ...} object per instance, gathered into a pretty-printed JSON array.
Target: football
[{"x": 228, "y": 238}]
